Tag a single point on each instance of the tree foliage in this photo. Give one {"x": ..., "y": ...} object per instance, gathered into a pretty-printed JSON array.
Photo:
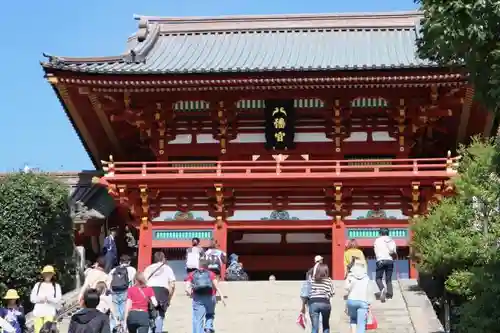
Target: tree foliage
[
  {"x": 35, "y": 230},
  {"x": 465, "y": 33},
  {"x": 457, "y": 242}
]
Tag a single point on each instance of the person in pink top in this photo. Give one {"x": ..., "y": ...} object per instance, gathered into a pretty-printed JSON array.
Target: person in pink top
[{"x": 137, "y": 314}]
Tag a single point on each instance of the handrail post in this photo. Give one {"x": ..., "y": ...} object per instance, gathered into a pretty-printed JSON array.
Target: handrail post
[
  {"x": 143, "y": 171},
  {"x": 449, "y": 162},
  {"x": 337, "y": 167},
  {"x": 415, "y": 167},
  {"x": 219, "y": 168}
]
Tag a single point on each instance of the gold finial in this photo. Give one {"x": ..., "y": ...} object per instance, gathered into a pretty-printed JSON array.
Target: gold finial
[{"x": 52, "y": 79}]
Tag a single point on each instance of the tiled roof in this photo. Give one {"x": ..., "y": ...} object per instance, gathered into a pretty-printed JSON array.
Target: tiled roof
[{"x": 265, "y": 43}]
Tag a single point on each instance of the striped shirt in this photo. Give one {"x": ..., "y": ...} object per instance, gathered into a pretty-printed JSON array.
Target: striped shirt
[{"x": 321, "y": 290}]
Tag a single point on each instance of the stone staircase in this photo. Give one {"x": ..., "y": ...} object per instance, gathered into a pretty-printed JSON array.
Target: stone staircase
[{"x": 272, "y": 307}]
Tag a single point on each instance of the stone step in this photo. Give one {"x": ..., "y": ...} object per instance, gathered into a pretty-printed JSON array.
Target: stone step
[{"x": 273, "y": 307}]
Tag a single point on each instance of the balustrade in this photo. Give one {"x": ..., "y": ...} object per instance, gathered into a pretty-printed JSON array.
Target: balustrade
[{"x": 383, "y": 167}]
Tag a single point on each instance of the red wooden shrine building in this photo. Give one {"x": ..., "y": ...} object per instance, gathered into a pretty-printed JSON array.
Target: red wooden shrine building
[{"x": 281, "y": 137}]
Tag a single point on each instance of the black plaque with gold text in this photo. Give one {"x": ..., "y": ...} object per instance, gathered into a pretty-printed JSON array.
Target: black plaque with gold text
[{"x": 280, "y": 124}]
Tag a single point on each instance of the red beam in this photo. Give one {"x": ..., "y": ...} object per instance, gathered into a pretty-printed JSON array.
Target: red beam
[
  {"x": 280, "y": 225},
  {"x": 318, "y": 148},
  {"x": 324, "y": 179},
  {"x": 160, "y": 244},
  {"x": 377, "y": 223},
  {"x": 182, "y": 225}
]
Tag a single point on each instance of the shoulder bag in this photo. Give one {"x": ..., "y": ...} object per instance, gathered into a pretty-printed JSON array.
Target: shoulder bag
[{"x": 151, "y": 309}]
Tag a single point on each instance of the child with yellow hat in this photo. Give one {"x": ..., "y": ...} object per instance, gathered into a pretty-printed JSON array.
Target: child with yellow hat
[
  {"x": 13, "y": 312},
  {"x": 46, "y": 296}
]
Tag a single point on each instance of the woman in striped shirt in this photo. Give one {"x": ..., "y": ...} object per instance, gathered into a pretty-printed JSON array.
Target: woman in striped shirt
[{"x": 319, "y": 297}]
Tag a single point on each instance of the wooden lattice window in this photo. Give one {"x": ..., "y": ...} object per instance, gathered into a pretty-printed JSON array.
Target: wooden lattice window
[
  {"x": 369, "y": 102},
  {"x": 191, "y": 106}
]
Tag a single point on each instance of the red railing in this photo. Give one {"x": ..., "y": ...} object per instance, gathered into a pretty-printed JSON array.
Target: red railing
[{"x": 446, "y": 166}]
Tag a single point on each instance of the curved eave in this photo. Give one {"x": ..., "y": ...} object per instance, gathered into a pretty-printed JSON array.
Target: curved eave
[
  {"x": 95, "y": 160},
  {"x": 87, "y": 69}
]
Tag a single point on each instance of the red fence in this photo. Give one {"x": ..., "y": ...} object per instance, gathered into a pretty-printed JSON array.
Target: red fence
[{"x": 346, "y": 168}]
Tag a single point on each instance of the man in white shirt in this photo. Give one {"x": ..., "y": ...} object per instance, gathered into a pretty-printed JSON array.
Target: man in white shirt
[
  {"x": 385, "y": 251},
  {"x": 193, "y": 255},
  {"x": 161, "y": 278}
]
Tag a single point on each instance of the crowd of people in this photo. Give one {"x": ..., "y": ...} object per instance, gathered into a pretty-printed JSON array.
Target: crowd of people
[
  {"x": 116, "y": 298},
  {"x": 318, "y": 287}
]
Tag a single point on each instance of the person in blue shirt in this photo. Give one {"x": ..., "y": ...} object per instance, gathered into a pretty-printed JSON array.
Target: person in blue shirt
[
  {"x": 13, "y": 312},
  {"x": 110, "y": 251}
]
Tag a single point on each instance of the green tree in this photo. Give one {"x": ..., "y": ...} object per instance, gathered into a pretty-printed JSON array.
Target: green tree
[
  {"x": 457, "y": 242},
  {"x": 465, "y": 34},
  {"x": 35, "y": 230}
]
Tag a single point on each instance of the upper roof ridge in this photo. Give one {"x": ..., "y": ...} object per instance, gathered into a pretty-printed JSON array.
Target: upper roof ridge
[{"x": 276, "y": 22}]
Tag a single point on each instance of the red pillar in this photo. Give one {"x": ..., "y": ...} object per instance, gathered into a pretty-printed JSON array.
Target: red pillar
[
  {"x": 338, "y": 247},
  {"x": 145, "y": 245},
  {"x": 220, "y": 236}
]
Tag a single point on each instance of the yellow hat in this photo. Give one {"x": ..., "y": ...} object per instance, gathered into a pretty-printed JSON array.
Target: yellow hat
[
  {"x": 11, "y": 294},
  {"x": 48, "y": 270}
]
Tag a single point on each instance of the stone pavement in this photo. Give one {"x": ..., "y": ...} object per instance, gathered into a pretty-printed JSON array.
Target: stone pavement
[{"x": 272, "y": 307}]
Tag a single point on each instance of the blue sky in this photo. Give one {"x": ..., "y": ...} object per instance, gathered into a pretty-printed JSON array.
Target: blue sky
[{"x": 34, "y": 127}]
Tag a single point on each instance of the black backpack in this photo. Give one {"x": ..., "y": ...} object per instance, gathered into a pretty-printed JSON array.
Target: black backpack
[
  {"x": 213, "y": 261},
  {"x": 119, "y": 279}
]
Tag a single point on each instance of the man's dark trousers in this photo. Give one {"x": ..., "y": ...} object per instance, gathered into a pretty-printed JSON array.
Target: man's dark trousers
[{"x": 385, "y": 267}]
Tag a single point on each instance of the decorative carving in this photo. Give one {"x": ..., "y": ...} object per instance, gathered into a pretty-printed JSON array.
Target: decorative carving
[
  {"x": 337, "y": 118},
  {"x": 434, "y": 94},
  {"x": 108, "y": 167},
  {"x": 219, "y": 205},
  {"x": 376, "y": 214},
  {"x": 279, "y": 215},
  {"x": 144, "y": 199},
  {"x": 184, "y": 216},
  {"x": 223, "y": 126},
  {"x": 401, "y": 124},
  {"x": 338, "y": 197},
  {"x": 279, "y": 158},
  {"x": 122, "y": 194},
  {"x": 438, "y": 191},
  {"x": 415, "y": 198}
]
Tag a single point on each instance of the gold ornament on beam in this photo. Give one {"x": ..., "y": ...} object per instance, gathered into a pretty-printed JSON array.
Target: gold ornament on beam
[
  {"x": 401, "y": 124},
  {"x": 338, "y": 127},
  {"x": 144, "y": 196},
  {"x": 222, "y": 127},
  {"x": 338, "y": 197},
  {"x": 122, "y": 194},
  {"x": 415, "y": 198},
  {"x": 219, "y": 222},
  {"x": 438, "y": 186},
  {"x": 109, "y": 167},
  {"x": 434, "y": 93}
]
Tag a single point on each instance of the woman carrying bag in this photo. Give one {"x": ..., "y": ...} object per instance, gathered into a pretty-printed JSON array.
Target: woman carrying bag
[{"x": 141, "y": 302}]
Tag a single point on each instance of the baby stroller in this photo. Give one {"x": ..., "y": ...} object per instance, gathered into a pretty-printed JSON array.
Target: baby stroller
[{"x": 235, "y": 270}]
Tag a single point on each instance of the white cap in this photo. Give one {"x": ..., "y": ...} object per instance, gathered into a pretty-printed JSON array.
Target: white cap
[{"x": 318, "y": 259}]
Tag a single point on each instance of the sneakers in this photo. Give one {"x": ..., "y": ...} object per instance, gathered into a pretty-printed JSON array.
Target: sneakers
[{"x": 383, "y": 294}]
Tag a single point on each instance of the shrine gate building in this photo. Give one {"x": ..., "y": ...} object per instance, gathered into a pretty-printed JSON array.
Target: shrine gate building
[{"x": 281, "y": 137}]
